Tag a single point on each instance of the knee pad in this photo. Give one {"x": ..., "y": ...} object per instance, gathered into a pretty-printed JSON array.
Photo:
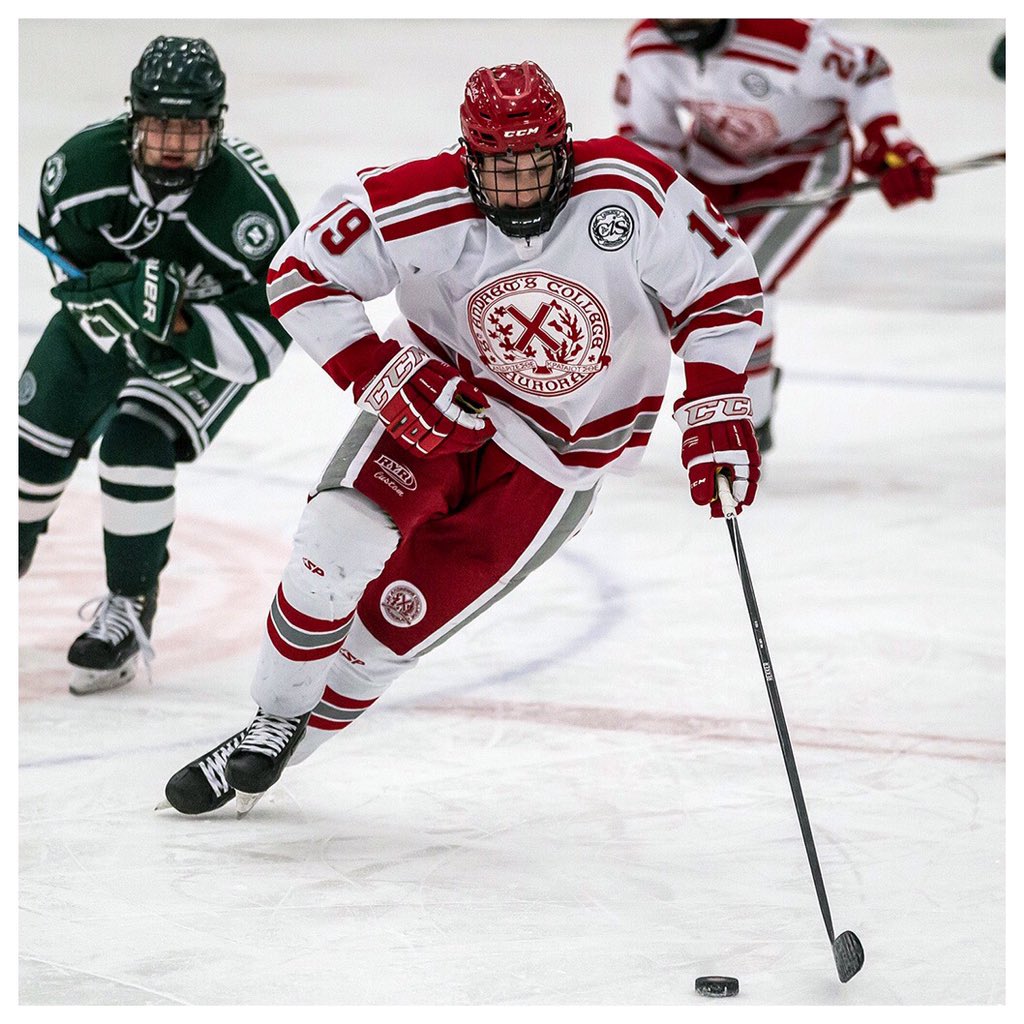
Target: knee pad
[{"x": 343, "y": 541}]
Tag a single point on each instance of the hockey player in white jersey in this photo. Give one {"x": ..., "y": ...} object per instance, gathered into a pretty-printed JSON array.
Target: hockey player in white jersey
[
  {"x": 754, "y": 109},
  {"x": 544, "y": 285}
]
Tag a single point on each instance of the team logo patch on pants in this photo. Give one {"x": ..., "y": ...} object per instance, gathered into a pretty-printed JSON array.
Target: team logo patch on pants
[{"x": 402, "y": 604}]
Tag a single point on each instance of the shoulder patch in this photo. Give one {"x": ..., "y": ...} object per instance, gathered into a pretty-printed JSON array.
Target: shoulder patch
[
  {"x": 255, "y": 234},
  {"x": 54, "y": 171}
]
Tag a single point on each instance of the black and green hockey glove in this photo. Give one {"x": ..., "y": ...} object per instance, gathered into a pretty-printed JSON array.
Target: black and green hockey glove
[{"x": 114, "y": 300}]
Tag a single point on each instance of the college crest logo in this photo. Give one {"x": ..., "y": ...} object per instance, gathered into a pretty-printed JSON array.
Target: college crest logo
[
  {"x": 542, "y": 335},
  {"x": 54, "y": 171},
  {"x": 403, "y": 604},
  {"x": 254, "y": 234}
]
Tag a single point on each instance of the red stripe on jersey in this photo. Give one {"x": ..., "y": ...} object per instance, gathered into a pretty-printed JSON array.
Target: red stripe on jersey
[
  {"x": 293, "y": 653},
  {"x": 635, "y": 51},
  {"x": 307, "y": 622},
  {"x": 785, "y": 31},
  {"x": 415, "y": 178},
  {"x": 595, "y": 460},
  {"x": 299, "y": 297},
  {"x": 336, "y": 700},
  {"x": 705, "y": 379},
  {"x": 618, "y": 148},
  {"x": 701, "y": 323},
  {"x": 714, "y": 296},
  {"x": 756, "y": 58},
  {"x": 467, "y": 210},
  {"x": 292, "y": 264},
  {"x": 618, "y": 183}
]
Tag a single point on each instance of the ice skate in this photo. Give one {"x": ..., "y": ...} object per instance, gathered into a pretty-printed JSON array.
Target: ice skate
[
  {"x": 257, "y": 762},
  {"x": 107, "y": 654},
  {"x": 201, "y": 786}
]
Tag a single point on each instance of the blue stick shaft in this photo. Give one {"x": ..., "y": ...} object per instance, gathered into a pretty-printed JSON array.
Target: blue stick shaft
[{"x": 51, "y": 254}]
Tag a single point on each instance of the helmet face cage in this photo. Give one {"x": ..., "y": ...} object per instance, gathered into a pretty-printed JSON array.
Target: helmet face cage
[
  {"x": 177, "y": 103},
  {"x": 518, "y": 150},
  {"x": 521, "y": 193}
]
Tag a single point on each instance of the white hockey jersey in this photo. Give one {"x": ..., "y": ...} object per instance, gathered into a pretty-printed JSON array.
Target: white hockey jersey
[
  {"x": 773, "y": 91},
  {"x": 570, "y": 334}
]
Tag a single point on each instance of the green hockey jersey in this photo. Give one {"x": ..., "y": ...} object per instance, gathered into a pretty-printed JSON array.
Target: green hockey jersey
[{"x": 94, "y": 206}]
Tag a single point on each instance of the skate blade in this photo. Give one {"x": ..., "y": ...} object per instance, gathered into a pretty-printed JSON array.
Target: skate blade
[
  {"x": 245, "y": 802},
  {"x": 88, "y": 680}
]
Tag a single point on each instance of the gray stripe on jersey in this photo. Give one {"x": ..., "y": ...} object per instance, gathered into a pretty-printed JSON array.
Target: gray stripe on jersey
[
  {"x": 626, "y": 169},
  {"x": 444, "y": 198}
]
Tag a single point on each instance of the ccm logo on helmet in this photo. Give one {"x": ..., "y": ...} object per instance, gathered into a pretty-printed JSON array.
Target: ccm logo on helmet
[{"x": 520, "y": 133}]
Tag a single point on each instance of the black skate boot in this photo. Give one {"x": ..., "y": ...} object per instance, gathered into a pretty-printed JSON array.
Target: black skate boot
[
  {"x": 201, "y": 786},
  {"x": 107, "y": 654},
  {"x": 256, "y": 764}
]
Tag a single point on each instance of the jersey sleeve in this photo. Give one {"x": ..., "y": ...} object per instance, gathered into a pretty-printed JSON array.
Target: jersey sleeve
[
  {"x": 330, "y": 265},
  {"x": 704, "y": 277},
  {"x": 852, "y": 73}
]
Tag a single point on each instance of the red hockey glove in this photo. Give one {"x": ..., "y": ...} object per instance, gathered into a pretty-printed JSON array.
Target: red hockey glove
[
  {"x": 424, "y": 403},
  {"x": 718, "y": 434},
  {"x": 904, "y": 172}
]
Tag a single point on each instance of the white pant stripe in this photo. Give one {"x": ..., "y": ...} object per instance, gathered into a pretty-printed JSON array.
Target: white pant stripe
[{"x": 136, "y": 518}]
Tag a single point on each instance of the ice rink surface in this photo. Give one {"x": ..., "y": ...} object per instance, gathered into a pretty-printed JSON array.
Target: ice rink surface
[{"x": 580, "y": 799}]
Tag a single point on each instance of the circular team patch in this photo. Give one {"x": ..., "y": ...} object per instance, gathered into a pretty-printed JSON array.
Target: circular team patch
[
  {"x": 255, "y": 234},
  {"x": 542, "y": 335},
  {"x": 54, "y": 171},
  {"x": 756, "y": 84},
  {"x": 402, "y": 604},
  {"x": 27, "y": 388},
  {"x": 611, "y": 228}
]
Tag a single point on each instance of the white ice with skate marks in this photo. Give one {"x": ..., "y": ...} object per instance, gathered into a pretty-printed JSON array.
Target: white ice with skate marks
[{"x": 580, "y": 798}]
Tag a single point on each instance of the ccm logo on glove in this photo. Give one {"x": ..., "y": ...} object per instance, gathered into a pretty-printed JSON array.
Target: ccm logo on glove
[{"x": 715, "y": 410}]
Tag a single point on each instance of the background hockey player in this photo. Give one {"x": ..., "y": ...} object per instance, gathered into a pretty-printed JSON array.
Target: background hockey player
[
  {"x": 543, "y": 285},
  {"x": 754, "y": 109},
  {"x": 161, "y": 339}
]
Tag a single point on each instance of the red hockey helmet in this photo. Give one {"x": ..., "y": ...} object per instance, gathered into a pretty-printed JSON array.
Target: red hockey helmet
[
  {"x": 515, "y": 109},
  {"x": 512, "y": 107}
]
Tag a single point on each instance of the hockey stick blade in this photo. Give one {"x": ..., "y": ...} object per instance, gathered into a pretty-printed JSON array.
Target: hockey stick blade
[
  {"x": 849, "y": 954},
  {"x": 831, "y": 195}
]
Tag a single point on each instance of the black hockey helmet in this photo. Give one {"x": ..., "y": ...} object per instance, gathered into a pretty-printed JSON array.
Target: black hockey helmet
[
  {"x": 695, "y": 34},
  {"x": 177, "y": 78}
]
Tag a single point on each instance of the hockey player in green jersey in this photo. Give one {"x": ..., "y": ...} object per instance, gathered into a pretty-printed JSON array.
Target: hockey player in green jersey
[{"x": 160, "y": 340}]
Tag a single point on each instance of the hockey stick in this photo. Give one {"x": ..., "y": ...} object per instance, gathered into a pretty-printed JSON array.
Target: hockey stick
[
  {"x": 846, "y": 948},
  {"x": 829, "y": 195},
  {"x": 51, "y": 254}
]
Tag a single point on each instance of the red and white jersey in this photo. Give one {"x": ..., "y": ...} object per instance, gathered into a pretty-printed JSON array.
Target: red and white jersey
[
  {"x": 570, "y": 334},
  {"x": 773, "y": 91}
]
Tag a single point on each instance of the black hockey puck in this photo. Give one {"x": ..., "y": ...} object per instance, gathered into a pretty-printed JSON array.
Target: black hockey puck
[{"x": 716, "y": 985}]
